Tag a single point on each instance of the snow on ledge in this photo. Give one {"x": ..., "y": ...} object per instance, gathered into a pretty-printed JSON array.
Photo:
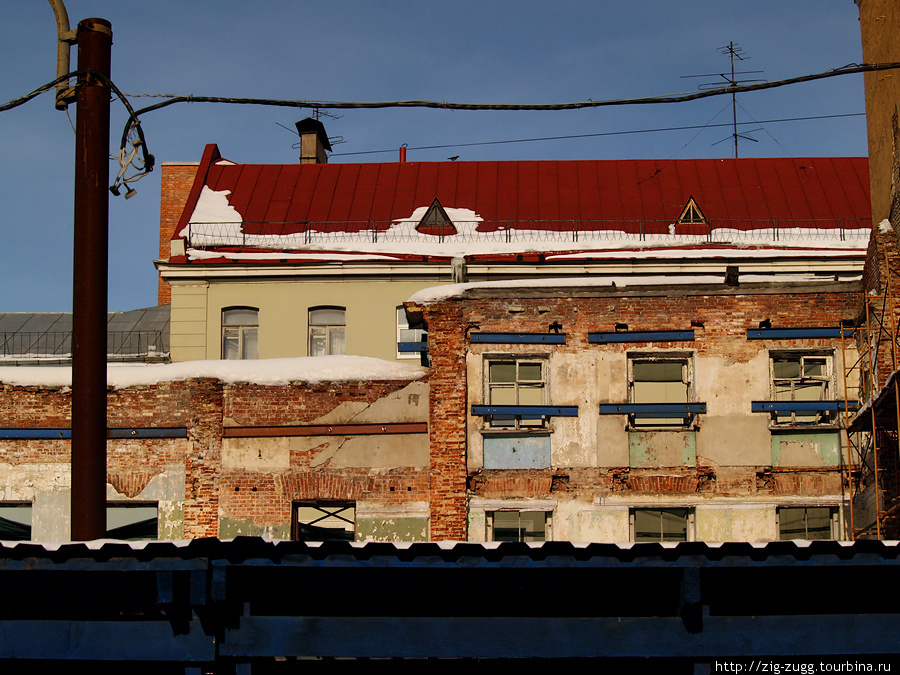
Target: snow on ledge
[
  {"x": 437, "y": 293},
  {"x": 312, "y": 369}
]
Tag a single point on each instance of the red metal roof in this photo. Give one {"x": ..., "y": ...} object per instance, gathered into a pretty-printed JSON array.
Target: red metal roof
[{"x": 598, "y": 193}]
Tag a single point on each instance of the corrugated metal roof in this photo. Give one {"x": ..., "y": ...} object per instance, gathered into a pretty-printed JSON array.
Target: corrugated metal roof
[
  {"x": 587, "y": 190},
  {"x": 46, "y": 337}
]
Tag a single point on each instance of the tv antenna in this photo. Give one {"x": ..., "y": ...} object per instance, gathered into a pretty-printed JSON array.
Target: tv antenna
[{"x": 733, "y": 51}]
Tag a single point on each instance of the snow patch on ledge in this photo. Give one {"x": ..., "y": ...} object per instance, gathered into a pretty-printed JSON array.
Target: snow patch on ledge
[
  {"x": 312, "y": 369},
  {"x": 885, "y": 225},
  {"x": 437, "y": 293}
]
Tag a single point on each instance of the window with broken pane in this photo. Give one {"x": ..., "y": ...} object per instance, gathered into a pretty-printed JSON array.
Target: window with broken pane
[
  {"x": 15, "y": 521},
  {"x": 132, "y": 521},
  {"x": 324, "y": 521},
  {"x": 661, "y": 525},
  {"x": 659, "y": 379},
  {"x": 807, "y": 522},
  {"x": 519, "y": 382},
  {"x": 528, "y": 526},
  {"x": 802, "y": 377}
]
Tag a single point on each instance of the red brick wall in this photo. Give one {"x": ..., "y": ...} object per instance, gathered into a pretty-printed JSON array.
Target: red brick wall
[
  {"x": 200, "y": 405},
  {"x": 255, "y": 405},
  {"x": 177, "y": 180},
  {"x": 447, "y": 425},
  {"x": 720, "y": 323}
]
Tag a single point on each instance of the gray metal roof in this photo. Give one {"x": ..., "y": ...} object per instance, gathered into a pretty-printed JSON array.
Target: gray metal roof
[{"x": 45, "y": 338}]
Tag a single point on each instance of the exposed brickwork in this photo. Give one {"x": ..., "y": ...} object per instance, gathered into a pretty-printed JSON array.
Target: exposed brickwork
[
  {"x": 447, "y": 425},
  {"x": 212, "y": 492},
  {"x": 720, "y": 322},
  {"x": 253, "y": 405},
  {"x": 176, "y": 182}
]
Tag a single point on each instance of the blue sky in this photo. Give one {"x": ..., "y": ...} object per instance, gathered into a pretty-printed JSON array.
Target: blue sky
[{"x": 476, "y": 52}]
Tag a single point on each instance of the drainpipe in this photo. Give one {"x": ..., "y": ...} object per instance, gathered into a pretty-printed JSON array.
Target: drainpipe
[{"x": 65, "y": 38}]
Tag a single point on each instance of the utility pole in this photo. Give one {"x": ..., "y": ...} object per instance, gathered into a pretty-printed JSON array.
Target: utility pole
[{"x": 92, "y": 98}]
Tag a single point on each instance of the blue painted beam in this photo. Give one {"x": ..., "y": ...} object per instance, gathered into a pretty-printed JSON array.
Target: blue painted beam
[
  {"x": 59, "y": 433},
  {"x": 796, "y": 333},
  {"x": 653, "y": 409},
  {"x": 641, "y": 336},
  {"x": 802, "y": 406},
  {"x": 519, "y": 338},
  {"x": 410, "y": 347},
  {"x": 510, "y": 411}
]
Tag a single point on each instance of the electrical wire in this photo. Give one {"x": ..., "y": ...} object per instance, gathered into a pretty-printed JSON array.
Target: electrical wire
[
  {"x": 133, "y": 124},
  {"x": 602, "y": 133}
]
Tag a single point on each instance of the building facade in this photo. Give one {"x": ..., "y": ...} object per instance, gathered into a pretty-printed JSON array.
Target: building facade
[{"x": 675, "y": 412}]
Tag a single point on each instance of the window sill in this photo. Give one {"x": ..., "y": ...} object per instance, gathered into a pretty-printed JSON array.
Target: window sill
[
  {"x": 788, "y": 427},
  {"x": 522, "y": 431}
]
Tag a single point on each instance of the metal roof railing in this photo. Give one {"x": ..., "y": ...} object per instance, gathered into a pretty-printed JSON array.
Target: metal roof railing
[
  {"x": 23, "y": 347},
  {"x": 300, "y": 235}
]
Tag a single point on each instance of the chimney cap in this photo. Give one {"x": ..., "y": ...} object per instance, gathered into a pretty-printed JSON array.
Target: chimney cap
[{"x": 313, "y": 126}]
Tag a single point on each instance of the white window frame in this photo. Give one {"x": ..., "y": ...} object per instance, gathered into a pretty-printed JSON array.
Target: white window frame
[
  {"x": 519, "y": 423},
  {"x": 241, "y": 332},
  {"x": 821, "y": 418},
  {"x": 491, "y": 517},
  {"x": 328, "y": 331},
  {"x": 833, "y": 519},
  {"x": 403, "y": 325},
  {"x": 686, "y": 361},
  {"x": 690, "y": 533}
]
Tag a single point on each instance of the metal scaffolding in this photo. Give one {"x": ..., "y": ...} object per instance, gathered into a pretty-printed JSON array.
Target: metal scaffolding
[{"x": 872, "y": 467}]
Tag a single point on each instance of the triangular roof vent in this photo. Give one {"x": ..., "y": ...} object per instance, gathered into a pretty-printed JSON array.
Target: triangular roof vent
[
  {"x": 691, "y": 214},
  {"x": 436, "y": 221}
]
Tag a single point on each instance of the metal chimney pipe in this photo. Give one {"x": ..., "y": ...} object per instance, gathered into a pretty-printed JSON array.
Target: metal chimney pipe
[{"x": 402, "y": 153}]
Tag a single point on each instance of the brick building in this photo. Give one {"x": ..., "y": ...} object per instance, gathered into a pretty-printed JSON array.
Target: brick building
[
  {"x": 323, "y": 450},
  {"x": 661, "y": 410}
]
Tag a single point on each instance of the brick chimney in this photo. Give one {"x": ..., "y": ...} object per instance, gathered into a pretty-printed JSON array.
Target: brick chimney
[{"x": 313, "y": 141}]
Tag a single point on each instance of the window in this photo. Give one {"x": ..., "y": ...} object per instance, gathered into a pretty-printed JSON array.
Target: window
[
  {"x": 516, "y": 381},
  {"x": 657, "y": 380},
  {"x": 662, "y": 525},
  {"x": 691, "y": 214},
  {"x": 326, "y": 331},
  {"x": 802, "y": 377},
  {"x": 324, "y": 521},
  {"x": 240, "y": 329},
  {"x": 15, "y": 522},
  {"x": 132, "y": 521},
  {"x": 408, "y": 336},
  {"x": 518, "y": 525},
  {"x": 808, "y": 522}
]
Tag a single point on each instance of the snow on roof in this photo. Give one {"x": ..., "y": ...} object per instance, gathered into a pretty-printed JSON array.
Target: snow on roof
[
  {"x": 437, "y": 293},
  {"x": 613, "y": 244},
  {"x": 311, "y": 369}
]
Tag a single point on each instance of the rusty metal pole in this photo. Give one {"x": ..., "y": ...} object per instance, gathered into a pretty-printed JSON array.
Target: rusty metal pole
[{"x": 90, "y": 283}]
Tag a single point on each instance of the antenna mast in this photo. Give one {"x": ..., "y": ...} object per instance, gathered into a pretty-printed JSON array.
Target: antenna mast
[{"x": 733, "y": 51}]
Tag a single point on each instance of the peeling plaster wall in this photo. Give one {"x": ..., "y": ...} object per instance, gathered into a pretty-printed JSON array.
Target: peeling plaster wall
[
  {"x": 385, "y": 475},
  {"x": 207, "y": 485},
  {"x": 600, "y": 468}
]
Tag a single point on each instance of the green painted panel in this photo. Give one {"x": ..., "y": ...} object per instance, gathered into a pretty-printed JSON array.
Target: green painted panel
[
  {"x": 808, "y": 448},
  {"x": 229, "y": 529},
  {"x": 392, "y": 529},
  {"x": 662, "y": 448}
]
